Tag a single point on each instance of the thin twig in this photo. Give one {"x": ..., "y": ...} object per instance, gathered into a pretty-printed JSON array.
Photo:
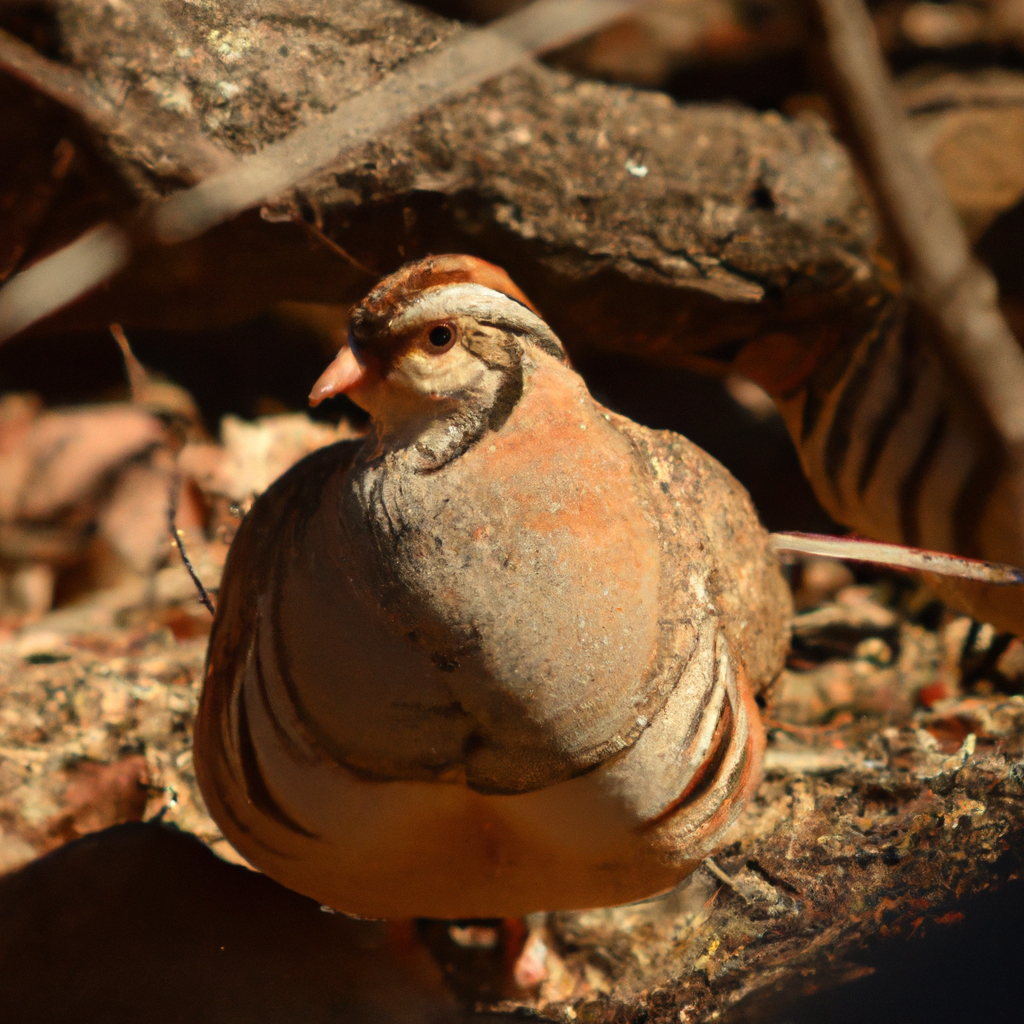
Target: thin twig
[
  {"x": 957, "y": 291},
  {"x": 56, "y": 280},
  {"x": 724, "y": 878},
  {"x": 472, "y": 57},
  {"x": 60, "y": 83},
  {"x": 196, "y": 155},
  {"x": 854, "y": 549},
  {"x": 172, "y": 515},
  {"x": 324, "y": 239},
  {"x": 138, "y": 379}
]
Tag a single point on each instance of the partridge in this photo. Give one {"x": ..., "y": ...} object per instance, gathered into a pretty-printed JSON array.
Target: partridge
[{"x": 502, "y": 654}]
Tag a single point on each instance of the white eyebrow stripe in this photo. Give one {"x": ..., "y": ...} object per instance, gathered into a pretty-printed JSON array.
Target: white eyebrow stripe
[{"x": 469, "y": 299}]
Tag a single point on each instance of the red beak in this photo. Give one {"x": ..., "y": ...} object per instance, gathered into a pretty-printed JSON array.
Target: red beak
[{"x": 345, "y": 373}]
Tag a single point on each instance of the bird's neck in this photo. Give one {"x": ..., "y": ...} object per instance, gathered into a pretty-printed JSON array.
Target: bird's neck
[
  {"x": 428, "y": 437},
  {"x": 428, "y": 442}
]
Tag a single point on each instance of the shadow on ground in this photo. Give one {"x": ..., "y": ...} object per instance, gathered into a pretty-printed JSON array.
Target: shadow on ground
[
  {"x": 965, "y": 972},
  {"x": 142, "y": 922}
]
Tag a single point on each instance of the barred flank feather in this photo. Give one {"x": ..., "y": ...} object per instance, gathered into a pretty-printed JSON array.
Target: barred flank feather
[{"x": 893, "y": 451}]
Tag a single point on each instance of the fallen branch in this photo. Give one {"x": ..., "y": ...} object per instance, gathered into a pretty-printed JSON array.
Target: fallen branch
[
  {"x": 195, "y": 155},
  {"x": 473, "y": 57}
]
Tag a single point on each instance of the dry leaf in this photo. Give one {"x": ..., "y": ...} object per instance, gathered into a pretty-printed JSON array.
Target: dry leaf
[
  {"x": 57, "y": 459},
  {"x": 254, "y": 455}
]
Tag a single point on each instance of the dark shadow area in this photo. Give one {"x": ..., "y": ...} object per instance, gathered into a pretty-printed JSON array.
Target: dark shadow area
[
  {"x": 32, "y": 23},
  {"x": 250, "y": 369},
  {"x": 142, "y": 923},
  {"x": 966, "y": 971},
  {"x": 763, "y": 83},
  {"x": 967, "y": 57},
  {"x": 1002, "y": 248}
]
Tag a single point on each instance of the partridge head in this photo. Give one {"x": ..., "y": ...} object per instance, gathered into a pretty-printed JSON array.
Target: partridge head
[{"x": 502, "y": 654}]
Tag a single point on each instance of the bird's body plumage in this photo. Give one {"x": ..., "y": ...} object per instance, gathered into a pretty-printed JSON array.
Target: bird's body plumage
[{"x": 500, "y": 663}]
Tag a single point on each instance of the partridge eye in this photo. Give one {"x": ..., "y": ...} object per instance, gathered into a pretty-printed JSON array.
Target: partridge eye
[{"x": 440, "y": 336}]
